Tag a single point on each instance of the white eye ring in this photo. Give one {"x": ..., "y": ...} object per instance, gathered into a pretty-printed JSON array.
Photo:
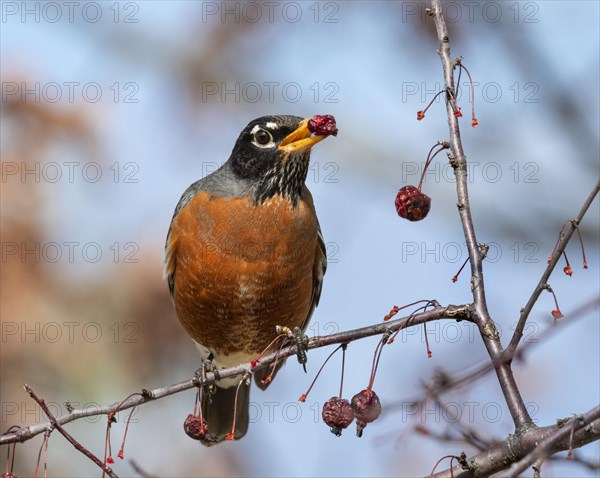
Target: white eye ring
[{"x": 262, "y": 138}]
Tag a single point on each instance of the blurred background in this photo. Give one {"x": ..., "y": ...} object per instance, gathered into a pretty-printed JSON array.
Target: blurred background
[{"x": 111, "y": 109}]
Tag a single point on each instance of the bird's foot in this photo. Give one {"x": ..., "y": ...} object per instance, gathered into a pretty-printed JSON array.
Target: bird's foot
[
  {"x": 301, "y": 341},
  {"x": 200, "y": 376}
]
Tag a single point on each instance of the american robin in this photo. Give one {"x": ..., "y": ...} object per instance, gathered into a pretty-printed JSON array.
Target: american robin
[{"x": 245, "y": 253}]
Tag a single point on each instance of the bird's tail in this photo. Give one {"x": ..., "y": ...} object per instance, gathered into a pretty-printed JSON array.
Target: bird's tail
[{"x": 219, "y": 409}]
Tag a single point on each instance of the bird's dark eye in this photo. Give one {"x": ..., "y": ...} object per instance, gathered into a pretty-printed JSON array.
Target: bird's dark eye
[{"x": 263, "y": 137}]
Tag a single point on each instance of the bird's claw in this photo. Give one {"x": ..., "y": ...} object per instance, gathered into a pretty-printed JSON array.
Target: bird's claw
[
  {"x": 301, "y": 341},
  {"x": 201, "y": 379}
]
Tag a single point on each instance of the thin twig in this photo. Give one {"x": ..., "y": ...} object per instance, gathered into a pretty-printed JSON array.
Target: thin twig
[
  {"x": 78, "y": 446},
  {"x": 509, "y": 352},
  {"x": 443, "y": 382}
]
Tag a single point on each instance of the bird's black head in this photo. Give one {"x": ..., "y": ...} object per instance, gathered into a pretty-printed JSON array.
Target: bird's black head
[{"x": 272, "y": 153}]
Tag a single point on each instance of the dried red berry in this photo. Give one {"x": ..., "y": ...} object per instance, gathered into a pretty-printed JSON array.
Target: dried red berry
[
  {"x": 110, "y": 460},
  {"x": 195, "y": 427},
  {"x": 412, "y": 204},
  {"x": 366, "y": 407},
  {"x": 567, "y": 270},
  {"x": 337, "y": 413},
  {"x": 323, "y": 125},
  {"x": 8, "y": 474}
]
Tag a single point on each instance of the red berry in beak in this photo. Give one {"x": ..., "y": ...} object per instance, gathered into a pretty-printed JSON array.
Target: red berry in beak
[
  {"x": 337, "y": 413},
  {"x": 366, "y": 407},
  {"x": 412, "y": 204},
  {"x": 323, "y": 125}
]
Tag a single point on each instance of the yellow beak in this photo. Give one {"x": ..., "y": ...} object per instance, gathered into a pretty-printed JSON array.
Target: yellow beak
[{"x": 300, "y": 139}]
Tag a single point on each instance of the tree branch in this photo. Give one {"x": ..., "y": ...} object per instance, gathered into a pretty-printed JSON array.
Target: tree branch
[
  {"x": 453, "y": 312},
  {"x": 443, "y": 382},
  {"x": 486, "y": 326},
  {"x": 547, "y": 446},
  {"x": 509, "y": 352},
  {"x": 546, "y": 440},
  {"x": 78, "y": 446}
]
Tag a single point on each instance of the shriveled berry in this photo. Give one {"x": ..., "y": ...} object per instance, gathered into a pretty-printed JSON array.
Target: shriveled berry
[
  {"x": 412, "y": 204},
  {"x": 8, "y": 474},
  {"x": 366, "y": 407},
  {"x": 323, "y": 125},
  {"x": 337, "y": 413},
  {"x": 195, "y": 427}
]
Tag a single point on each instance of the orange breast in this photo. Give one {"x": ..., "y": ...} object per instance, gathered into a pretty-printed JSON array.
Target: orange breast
[{"x": 241, "y": 269}]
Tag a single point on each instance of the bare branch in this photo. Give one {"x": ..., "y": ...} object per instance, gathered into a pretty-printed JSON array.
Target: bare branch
[
  {"x": 78, "y": 446},
  {"x": 488, "y": 331},
  {"x": 509, "y": 352},
  {"x": 547, "y": 446},
  {"x": 526, "y": 446},
  {"x": 453, "y": 312},
  {"x": 443, "y": 382}
]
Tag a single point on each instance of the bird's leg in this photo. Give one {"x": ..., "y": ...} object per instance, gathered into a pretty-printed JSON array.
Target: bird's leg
[
  {"x": 200, "y": 376},
  {"x": 301, "y": 340}
]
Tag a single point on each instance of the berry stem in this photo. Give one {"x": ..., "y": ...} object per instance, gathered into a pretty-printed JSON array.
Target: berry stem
[
  {"x": 196, "y": 402},
  {"x": 122, "y": 449},
  {"x": 257, "y": 359},
  {"x": 585, "y": 266},
  {"x": 107, "y": 447},
  {"x": 414, "y": 312},
  {"x": 231, "y": 435},
  {"x": 397, "y": 309},
  {"x": 344, "y": 346},
  {"x": 455, "y": 278},
  {"x": 304, "y": 395},
  {"x": 427, "y": 341},
  {"x": 199, "y": 399},
  {"x": 452, "y": 458},
  {"x": 269, "y": 377},
  {"x": 421, "y": 113},
  {"x": 37, "y": 465},
  {"x": 376, "y": 357},
  {"x": 567, "y": 269},
  {"x": 443, "y": 145},
  {"x": 457, "y": 84},
  {"x": 557, "y": 312},
  {"x": 474, "y": 121},
  {"x": 8, "y": 448}
]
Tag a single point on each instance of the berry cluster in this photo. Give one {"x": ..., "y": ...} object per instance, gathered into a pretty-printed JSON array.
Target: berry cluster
[{"x": 338, "y": 413}]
